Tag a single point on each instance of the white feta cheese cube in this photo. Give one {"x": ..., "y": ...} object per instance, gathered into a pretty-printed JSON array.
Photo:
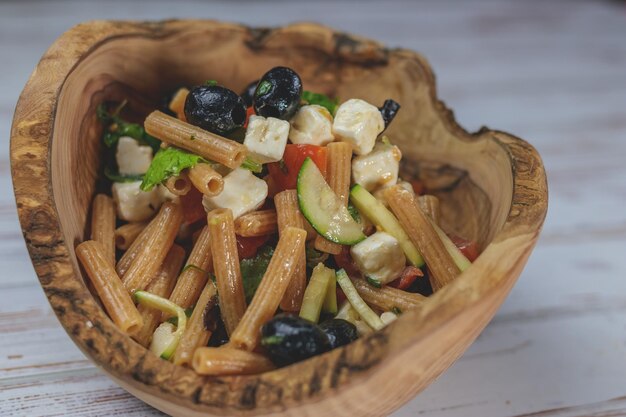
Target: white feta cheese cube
[
  {"x": 379, "y": 257},
  {"x": 311, "y": 125},
  {"x": 243, "y": 192},
  {"x": 266, "y": 138},
  {"x": 377, "y": 169},
  {"x": 388, "y": 317},
  {"x": 133, "y": 204},
  {"x": 132, "y": 158},
  {"x": 358, "y": 123}
]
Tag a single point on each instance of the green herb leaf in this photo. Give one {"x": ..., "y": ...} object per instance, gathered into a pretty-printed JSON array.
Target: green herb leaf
[
  {"x": 168, "y": 162},
  {"x": 252, "y": 270},
  {"x": 263, "y": 87},
  {"x": 272, "y": 340},
  {"x": 116, "y": 127},
  {"x": 313, "y": 256},
  {"x": 210, "y": 83},
  {"x": 191, "y": 266},
  {"x": 396, "y": 311},
  {"x": 117, "y": 177},
  {"x": 321, "y": 100},
  {"x": 373, "y": 282},
  {"x": 252, "y": 165}
]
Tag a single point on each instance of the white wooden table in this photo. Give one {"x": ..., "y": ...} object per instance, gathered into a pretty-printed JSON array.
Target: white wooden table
[{"x": 553, "y": 72}]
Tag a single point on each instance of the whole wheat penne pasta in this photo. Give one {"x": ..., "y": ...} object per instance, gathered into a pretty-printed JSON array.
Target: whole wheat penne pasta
[
  {"x": 196, "y": 333},
  {"x": 103, "y": 224},
  {"x": 135, "y": 248},
  {"x": 226, "y": 267},
  {"x": 228, "y": 361},
  {"x": 430, "y": 206},
  {"x": 112, "y": 293},
  {"x": 421, "y": 232},
  {"x": 179, "y": 184},
  {"x": 194, "y": 276},
  {"x": 157, "y": 243},
  {"x": 126, "y": 234},
  {"x": 338, "y": 170},
  {"x": 387, "y": 298},
  {"x": 268, "y": 295},
  {"x": 161, "y": 285},
  {"x": 207, "y": 180},
  {"x": 257, "y": 223},
  {"x": 288, "y": 215},
  {"x": 177, "y": 104},
  {"x": 194, "y": 139}
]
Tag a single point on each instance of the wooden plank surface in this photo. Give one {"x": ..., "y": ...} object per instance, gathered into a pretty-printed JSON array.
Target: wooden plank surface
[{"x": 553, "y": 72}]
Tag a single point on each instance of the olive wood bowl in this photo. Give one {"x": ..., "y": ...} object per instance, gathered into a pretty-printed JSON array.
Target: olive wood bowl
[{"x": 492, "y": 186}]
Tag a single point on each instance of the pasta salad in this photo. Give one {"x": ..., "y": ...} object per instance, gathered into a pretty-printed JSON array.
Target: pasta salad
[{"x": 245, "y": 232}]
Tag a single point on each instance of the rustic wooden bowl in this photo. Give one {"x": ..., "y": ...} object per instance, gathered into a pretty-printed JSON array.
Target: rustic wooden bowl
[{"x": 492, "y": 186}]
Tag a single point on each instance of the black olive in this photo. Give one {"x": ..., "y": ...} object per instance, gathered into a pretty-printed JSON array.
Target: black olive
[
  {"x": 289, "y": 339},
  {"x": 388, "y": 110},
  {"x": 215, "y": 108},
  {"x": 248, "y": 94},
  {"x": 278, "y": 93},
  {"x": 340, "y": 332}
]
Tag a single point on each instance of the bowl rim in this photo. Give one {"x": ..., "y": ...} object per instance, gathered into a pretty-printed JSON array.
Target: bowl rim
[{"x": 31, "y": 138}]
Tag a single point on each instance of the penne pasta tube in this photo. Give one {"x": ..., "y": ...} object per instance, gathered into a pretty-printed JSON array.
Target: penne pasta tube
[
  {"x": 430, "y": 206},
  {"x": 338, "y": 170},
  {"x": 194, "y": 139},
  {"x": 387, "y": 298},
  {"x": 268, "y": 295},
  {"x": 155, "y": 247},
  {"x": 196, "y": 333},
  {"x": 114, "y": 297},
  {"x": 226, "y": 267},
  {"x": 135, "y": 248},
  {"x": 288, "y": 215},
  {"x": 162, "y": 285},
  {"x": 125, "y": 235},
  {"x": 420, "y": 230},
  {"x": 178, "y": 185},
  {"x": 228, "y": 361},
  {"x": 257, "y": 223},
  {"x": 103, "y": 224},
  {"x": 177, "y": 104},
  {"x": 194, "y": 276},
  {"x": 206, "y": 179}
]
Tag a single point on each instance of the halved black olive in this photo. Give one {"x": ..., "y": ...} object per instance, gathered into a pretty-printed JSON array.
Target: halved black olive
[
  {"x": 389, "y": 110},
  {"x": 290, "y": 339},
  {"x": 248, "y": 94},
  {"x": 278, "y": 93},
  {"x": 340, "y": 332},
  {"x": 215, "y": 108}
]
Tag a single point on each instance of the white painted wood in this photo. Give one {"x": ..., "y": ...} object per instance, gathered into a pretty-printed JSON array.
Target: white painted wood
[{"x": 553, "y": 72}]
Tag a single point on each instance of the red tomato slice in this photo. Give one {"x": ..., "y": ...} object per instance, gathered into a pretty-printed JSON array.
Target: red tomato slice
[
  {"x": 408, "y": 277},
  {"x": 285, "y": 174},
  {"x": 418, "y": 186},
  {"x": 247, "y": 247},
  {"x": 193, "y": 210},
  {"x": 468, "y": 247},
  {"x": 249, "y": 113}
]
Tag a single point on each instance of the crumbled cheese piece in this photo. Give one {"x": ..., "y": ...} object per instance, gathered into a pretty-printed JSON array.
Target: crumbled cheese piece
[
  {"x": 132, "y": 158},
  {"x": 311, "y": 125},
  {"x": 133, "y": 204},
  {"x": 358, "y": 123},
  {"x": 379, "y": 257},
  {"x": 388, "y": 317},
  {"x": 243, "y": 192},
  {"x": 266, "y": 138}
]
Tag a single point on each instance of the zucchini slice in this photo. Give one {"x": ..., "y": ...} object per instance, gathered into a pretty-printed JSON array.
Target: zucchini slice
[{"x": 321, "y": 207}]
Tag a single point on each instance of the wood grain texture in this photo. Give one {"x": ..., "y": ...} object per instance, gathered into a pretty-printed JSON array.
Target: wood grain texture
[
  {"x": 512, "y": 191},
  {"x": 551, "y": 71}
]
